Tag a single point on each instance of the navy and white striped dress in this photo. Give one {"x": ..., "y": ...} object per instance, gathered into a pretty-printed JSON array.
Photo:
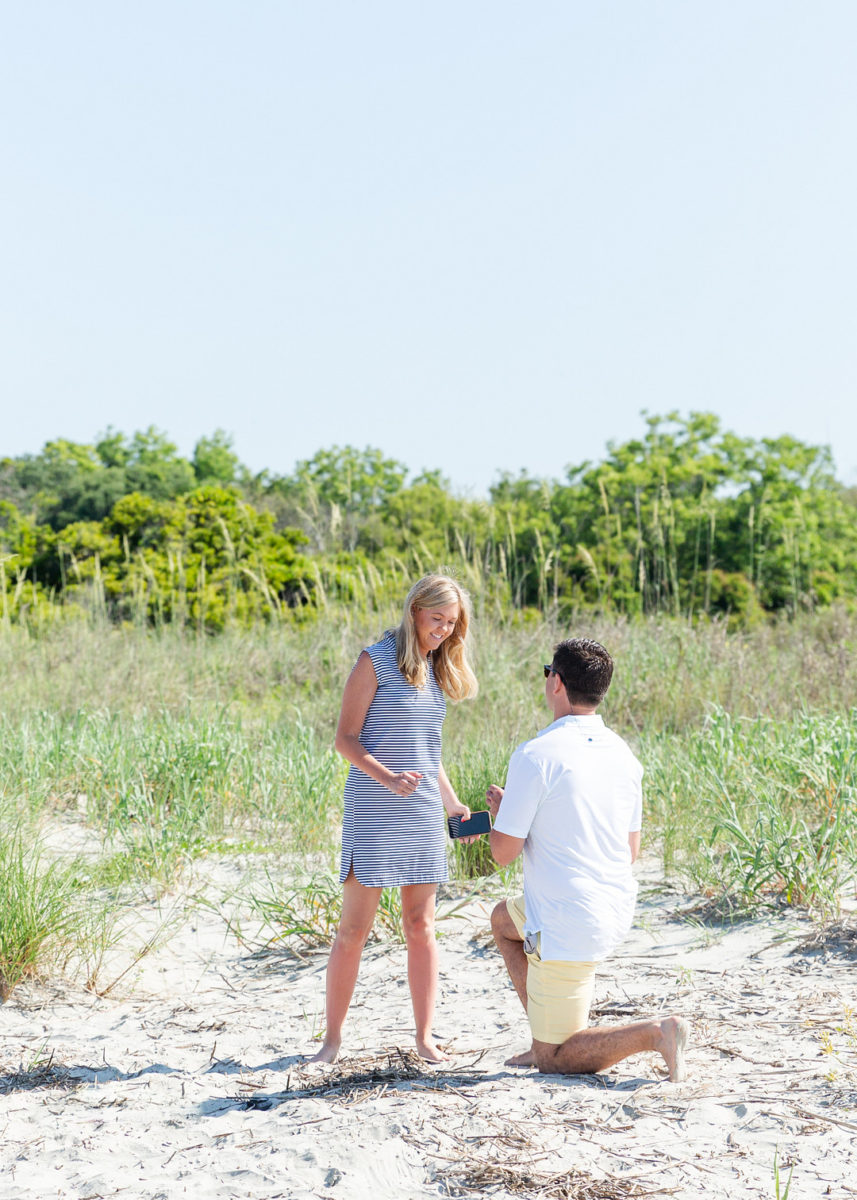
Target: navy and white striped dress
[{"x": 392, "y": 840}]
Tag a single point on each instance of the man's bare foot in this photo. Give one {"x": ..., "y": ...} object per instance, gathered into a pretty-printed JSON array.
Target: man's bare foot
[
  {"x": 428, "y": 1049},
  {"x": 526, "y": 1059},
  {"x": 327, "y": 1054},
  {"x": 674, "y": 1035}
]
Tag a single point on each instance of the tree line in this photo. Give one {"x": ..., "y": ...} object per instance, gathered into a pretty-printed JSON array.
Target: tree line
[{"x": 687, "y": 519}]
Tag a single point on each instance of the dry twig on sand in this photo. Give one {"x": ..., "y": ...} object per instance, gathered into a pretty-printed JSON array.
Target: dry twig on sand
[
  {"x": 45, "y": 1075},
  {"x": 521, "y": 1180},
  {"x": 357, "y": 1077},
  {"x": 837, "y": 937}
]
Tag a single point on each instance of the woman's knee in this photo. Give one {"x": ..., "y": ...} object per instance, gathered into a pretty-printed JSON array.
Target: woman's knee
[
  {"x": 418, "y": 904},
  {"x": 418, "y": 928},
  {"x": 353, "y": 934}
]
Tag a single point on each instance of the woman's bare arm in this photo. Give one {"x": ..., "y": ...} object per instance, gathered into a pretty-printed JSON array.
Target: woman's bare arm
[
  {"x": 453, "y": 806},
  {"x": 358, "y": 695}
]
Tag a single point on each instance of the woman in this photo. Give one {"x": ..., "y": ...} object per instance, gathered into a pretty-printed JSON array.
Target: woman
[{"x": 393, "y": 833}]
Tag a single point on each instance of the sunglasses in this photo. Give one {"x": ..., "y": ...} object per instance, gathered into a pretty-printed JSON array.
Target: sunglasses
[{"x": 549, "y": 670}]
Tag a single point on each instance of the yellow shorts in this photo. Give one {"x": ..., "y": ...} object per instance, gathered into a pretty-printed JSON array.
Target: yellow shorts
[{"x": 559, "y": 994}]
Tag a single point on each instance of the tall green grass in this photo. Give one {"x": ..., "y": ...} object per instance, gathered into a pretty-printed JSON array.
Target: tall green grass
[
  {"x": 166, "y": 746},
  {"x": 669, "y": 672},
  {"x": 52, "y": 913},
  {"x": 759, "y": 809}
]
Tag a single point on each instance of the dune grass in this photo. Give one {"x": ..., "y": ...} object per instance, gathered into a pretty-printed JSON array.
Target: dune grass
[
  {"x": 53, "y": 916},
  {"x": 165, "y": 746},
  {"x": 757, "y": 809}
]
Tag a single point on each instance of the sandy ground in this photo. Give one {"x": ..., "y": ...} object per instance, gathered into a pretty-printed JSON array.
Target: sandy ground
[{"x": 192, "y": 1083}]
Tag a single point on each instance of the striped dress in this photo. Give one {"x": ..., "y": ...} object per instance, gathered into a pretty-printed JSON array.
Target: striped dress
[{"x": 392, "y": 840}]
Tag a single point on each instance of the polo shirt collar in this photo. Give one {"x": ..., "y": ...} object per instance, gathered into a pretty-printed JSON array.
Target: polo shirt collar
[{"x": 589, "y": 721}]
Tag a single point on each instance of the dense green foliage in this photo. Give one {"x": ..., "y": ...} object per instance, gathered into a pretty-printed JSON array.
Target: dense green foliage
[
  {"x": 129, "y": 527},
  {"x": 687, "y": 520}
]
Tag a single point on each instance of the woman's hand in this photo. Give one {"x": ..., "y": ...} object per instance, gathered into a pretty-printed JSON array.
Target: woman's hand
[
  {"x": 454, "y": 808},
  {"x": 457, "y": 809},
  {"x": 405, "y": 783}
]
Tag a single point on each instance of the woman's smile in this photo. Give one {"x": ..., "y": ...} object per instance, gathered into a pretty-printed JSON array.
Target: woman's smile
[{"x": 434, "y": 625}]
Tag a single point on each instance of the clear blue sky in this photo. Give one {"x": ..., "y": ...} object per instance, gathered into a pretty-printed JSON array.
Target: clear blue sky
[{"x": 481, "y": 236}]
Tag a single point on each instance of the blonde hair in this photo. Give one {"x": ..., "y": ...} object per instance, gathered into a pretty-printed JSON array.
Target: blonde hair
[{"x": 452, "y": 669}]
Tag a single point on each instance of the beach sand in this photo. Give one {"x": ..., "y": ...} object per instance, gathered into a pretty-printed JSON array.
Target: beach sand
[{"x": 193, "y": 1082}]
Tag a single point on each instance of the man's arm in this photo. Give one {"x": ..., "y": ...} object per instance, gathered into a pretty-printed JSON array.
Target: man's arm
[
  {"x": 634, "y": 843},
  {"x": 504, "y": 847}
]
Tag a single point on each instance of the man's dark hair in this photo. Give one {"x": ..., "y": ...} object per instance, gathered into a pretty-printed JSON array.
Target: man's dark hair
[{"x": 585, "y": 669}]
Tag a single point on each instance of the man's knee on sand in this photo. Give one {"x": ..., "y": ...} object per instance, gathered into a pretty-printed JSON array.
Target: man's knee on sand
[
  {"x": 577, "y": 1055},
  {"x": 546, "y": 1056},
  {"x": 502, "y": 925}
]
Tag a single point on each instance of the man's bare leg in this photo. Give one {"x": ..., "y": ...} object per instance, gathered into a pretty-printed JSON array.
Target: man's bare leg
[
  {"x": 511, "y": 946},
  {"x": 527, "y": 1058},
  {"x": 594, "y": 1050},
  {"x": 359, "y": 904}
]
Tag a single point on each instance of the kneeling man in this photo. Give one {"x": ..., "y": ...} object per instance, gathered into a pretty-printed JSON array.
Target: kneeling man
[{"x": 573, "y": 805}]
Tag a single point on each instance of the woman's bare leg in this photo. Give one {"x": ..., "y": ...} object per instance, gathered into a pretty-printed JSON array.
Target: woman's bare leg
[
  {"x": 359, "y": 904},
  {"x": 418, "y": 920}
]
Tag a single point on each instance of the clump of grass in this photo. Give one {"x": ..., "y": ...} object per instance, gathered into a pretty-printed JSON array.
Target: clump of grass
[
  {"x": 35, "y": 901},
  {"x": 304, "y": 915},
  {"x": 772, "y": 854},
  {"x": 781, "y": 1193},
  {"x": 760, "y": 810},
  {"x": 45, "y": 925}
]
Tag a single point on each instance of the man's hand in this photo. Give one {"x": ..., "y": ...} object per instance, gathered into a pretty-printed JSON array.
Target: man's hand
[
  {"x": 493, "y": 797},
  {"x": 504, "y": 848}
]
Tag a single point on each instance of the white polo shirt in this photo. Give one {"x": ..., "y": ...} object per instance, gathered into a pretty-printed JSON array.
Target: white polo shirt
[{"x": 574, "y": 792}]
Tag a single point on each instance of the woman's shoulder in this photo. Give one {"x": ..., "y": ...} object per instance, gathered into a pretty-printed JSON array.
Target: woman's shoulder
[
  {"x": 383, "y": 653},
  {"x": 385, "y": 643}
]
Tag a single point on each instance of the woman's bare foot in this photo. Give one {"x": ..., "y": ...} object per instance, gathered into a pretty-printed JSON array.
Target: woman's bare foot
[
  {"x": 327, "y": 1054},
  {"x": 428, "y": 1049},
  {"x": 526, "y": 1059},
  {"x": 674, "y": 1035}
]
